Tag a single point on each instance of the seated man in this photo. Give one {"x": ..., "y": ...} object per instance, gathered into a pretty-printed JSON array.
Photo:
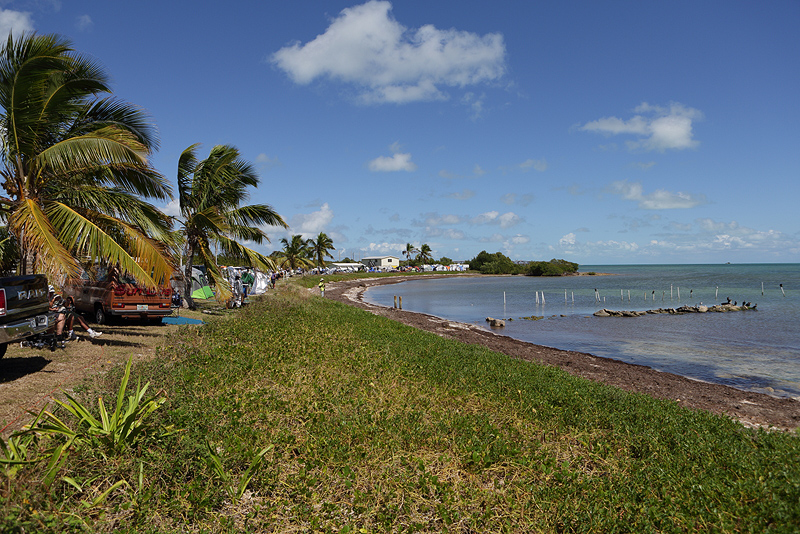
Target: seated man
[{"x": 66, "y": 316}]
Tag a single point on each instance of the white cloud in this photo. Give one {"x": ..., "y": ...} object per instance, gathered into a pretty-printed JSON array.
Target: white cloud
[
  {"x": 173, "y": 208},
  {"x": 310, "y": 224},
  {"x": 388, "y": 62},
  {"x": 538, "y": 164},
  {"x": 659, "y": 199},
  {"x": 386, "y": 248},
  {"x": 659, "y": 128},
  {"x": 567, "y": 240},
  {"x": 15, "y": 21},
  {"x": 505, "y": 220},
  {"x": 84, "y": 22},
  {"x": 397, "y": 162},
  {"x": 478, "y": 170}
]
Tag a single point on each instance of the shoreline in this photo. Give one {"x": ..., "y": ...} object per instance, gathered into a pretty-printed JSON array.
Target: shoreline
[{"x": 751, "y": 409}]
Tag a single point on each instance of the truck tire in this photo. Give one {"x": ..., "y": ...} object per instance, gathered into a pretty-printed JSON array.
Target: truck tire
[
  {"x": 3, "y": 349},
  {"x": 100, "y": 316}
]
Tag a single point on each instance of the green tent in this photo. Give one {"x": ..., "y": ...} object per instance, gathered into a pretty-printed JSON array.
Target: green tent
[{"x": 200, "y": 289}]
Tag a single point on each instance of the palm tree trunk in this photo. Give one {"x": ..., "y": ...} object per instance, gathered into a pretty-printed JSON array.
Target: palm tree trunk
[{"x": 187, "y": 280}]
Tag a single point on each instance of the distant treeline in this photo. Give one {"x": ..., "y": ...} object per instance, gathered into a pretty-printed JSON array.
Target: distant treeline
[{"x": 498, "y": 263}]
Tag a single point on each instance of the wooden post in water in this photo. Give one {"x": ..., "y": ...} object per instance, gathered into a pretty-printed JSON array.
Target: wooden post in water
[
  {"x": 716, "y": 294},
  {"x": 573, "y": 296},
  {"x": 401, "y": 302},
  {"x": 395, "y": 301},
  {"x": 629, "y": 295},
  {"x": 542, "y": 297},
  {"x": 782, "y": 291}
]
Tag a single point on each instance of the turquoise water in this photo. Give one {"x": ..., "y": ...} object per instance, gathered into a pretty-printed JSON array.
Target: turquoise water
[{"x": 752, "y": 350}]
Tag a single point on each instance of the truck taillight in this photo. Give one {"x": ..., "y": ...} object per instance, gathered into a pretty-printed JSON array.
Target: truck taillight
[
  {"x": 2, "y": 301},
  {"x": 164, "y": 305}
]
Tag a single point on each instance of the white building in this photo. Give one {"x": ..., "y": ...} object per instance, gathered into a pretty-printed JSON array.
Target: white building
[{"x": 381, "y": 262}]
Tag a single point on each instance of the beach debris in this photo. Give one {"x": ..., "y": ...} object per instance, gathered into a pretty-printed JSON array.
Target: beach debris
[
  {"x": 700, "y": 308},
  {"x": 495, "y": 323}
]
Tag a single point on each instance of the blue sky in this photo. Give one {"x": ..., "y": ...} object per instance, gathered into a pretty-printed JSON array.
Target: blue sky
[{"x": 597, "y": 132}]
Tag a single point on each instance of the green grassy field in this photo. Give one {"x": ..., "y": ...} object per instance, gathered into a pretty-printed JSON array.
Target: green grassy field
[{"x": 301, "y": 414}]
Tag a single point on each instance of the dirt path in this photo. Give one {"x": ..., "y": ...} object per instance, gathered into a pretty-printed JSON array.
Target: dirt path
[
  {"x": 31, "y": 378},
  {"x": 752, "y": 409}
]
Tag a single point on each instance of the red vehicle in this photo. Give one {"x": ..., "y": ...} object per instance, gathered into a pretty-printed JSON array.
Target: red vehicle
[{"x": 104, "y": 298}]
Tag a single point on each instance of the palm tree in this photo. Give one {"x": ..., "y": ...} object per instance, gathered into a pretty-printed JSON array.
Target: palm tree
[
  {"x": 73, "y": 163},
  {"x": 320, "y": 247},
  {"x": 210, "y": 193},
  {"x": 410, "y": 251},
  {"x": 424, "y": 253},
  {"x": 296, "y": 253}
]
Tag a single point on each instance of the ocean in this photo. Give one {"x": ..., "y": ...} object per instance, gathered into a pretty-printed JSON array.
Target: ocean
[{"x": 755, "y": 350}]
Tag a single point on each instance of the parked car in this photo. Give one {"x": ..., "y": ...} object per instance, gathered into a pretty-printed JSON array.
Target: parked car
[
  {"x": 24, "y": 309},
  {"x": 105, "y": 297}
]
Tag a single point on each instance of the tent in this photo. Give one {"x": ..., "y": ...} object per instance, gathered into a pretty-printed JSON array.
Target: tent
[
  {"x": 200, "y": 289},
  {"x": 261, "y": 283}
]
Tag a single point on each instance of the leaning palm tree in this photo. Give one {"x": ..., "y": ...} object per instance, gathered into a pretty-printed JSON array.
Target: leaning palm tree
[
  {"x": 296, "y": 253},
  {"x": 320, "y": 247},
  {"x": 410, "y": 251},
  {"x": 73, "y": 163},
  {"x": 210, "y": 194},
  {"x": 424, "y": 253}
]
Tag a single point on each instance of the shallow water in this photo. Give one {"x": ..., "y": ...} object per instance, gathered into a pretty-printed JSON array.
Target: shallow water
[{"x": 750, "y": 350}]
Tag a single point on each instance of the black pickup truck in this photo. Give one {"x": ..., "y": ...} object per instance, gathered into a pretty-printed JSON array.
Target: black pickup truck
[{"x": 24, "y": 308}]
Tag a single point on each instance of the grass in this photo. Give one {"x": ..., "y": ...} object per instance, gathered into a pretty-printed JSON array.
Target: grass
[{"x": 326, "y": 418}]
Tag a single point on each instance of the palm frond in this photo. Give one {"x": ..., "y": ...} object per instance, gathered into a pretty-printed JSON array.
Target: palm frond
[
  {"x": 35, "y": 231},
  {"x": 143, "y": 258}
]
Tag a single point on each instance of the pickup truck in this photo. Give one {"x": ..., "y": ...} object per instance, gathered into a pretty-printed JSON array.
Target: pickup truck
[
  {"x": 24, "y": 308},
  {"x": 105, "y": 300}
]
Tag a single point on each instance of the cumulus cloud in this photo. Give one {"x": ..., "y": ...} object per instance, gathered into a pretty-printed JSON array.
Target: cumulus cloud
[
  {"x": 15, "y": 21},
  {"x": 478, "y": 170},
  {"x": 394, "y": 163},
  {"x": 173, "y": 208},
  {"x": 505, "y": 220},
  {"x": 397, "y": 162},
  {"x": 306, "y": 224},
  {"x": 387, "y": 62},
  {"x": 567, "y": 240},
  {"x": 386, "y": 248},
  {"x": 657, "y": 200},
  {"x": 658, "y": 128}
]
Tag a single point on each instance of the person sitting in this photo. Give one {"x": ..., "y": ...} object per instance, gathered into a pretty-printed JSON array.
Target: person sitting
[{"x": 66, "y": 317}]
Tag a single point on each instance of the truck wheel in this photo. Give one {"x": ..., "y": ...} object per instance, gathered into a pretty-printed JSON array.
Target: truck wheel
[
  {"x": 100, "y": 315},
  {"x": 3, "y": 349}
]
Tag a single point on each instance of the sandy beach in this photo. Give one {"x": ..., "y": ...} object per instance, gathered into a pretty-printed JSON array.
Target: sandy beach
[{"x": 752, "y": 409}]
